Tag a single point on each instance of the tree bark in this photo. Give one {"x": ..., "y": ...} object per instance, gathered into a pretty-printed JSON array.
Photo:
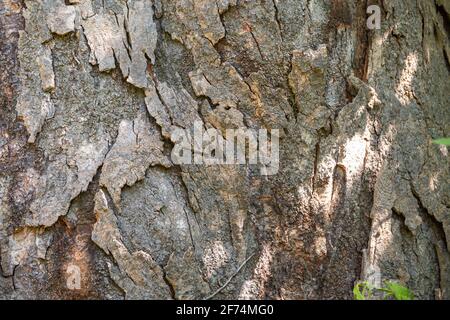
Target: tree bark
[{"x": 92, "y": 206}]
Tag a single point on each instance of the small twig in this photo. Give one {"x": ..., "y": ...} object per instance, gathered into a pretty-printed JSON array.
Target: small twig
[
  {"x": 75, "y": 58},
  {"x": 232, "y": 276}
]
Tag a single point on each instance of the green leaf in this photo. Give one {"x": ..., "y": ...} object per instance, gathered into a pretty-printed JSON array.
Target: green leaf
[
  {"x": 443, "y": 141},
  {"x": 398, "y": 291},
  {"x": 362, "y": 291},
  {"x": 357, "y": 294}
]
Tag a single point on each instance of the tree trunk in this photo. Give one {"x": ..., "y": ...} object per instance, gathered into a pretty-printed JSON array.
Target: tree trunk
[{"x": 92, "y": 204}]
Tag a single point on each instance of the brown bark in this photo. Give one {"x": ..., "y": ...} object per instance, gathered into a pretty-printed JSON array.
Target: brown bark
[{"x": 91, "y": 91}]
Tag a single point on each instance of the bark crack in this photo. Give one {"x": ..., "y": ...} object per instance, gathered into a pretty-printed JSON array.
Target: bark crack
[{"x": 277, "y": 19}]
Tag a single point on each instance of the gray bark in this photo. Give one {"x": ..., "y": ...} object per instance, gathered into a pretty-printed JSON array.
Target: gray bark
[{"x": 91, "y": 91}]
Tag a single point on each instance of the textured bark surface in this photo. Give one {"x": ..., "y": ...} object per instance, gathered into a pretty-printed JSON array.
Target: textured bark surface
[{"x": 91, "y": 91}]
